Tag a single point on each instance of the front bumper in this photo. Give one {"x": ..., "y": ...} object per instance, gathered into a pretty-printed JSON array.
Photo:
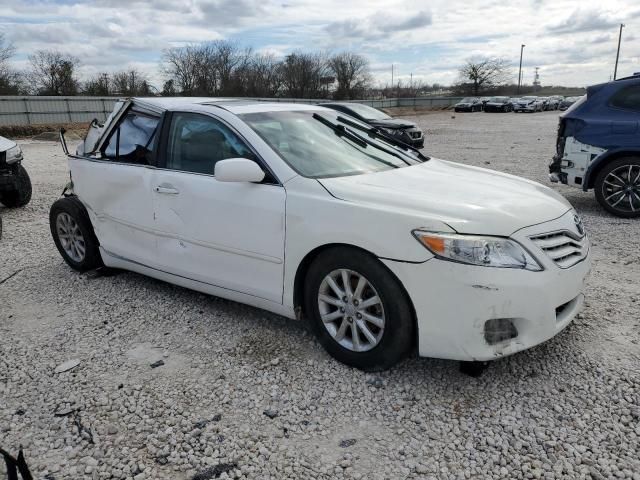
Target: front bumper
[
  {"x": 453, "y": 301},
  {"x": 524, "y": 108}
]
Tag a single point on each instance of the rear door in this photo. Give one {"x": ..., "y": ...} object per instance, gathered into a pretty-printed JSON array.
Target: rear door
[
  {"x": 115, "y": 186},
  {"x": 229, "y": 235}
]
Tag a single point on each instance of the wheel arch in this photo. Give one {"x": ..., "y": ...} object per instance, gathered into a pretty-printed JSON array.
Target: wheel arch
[
  {"x": 601, "y": 162},
  {"x": 303, "y": 267}
]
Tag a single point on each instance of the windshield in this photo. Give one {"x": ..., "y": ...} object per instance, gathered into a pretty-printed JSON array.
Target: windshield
[
  {"x": 313, "y": 149},
  {"x": 367, "y": 112},
  {"x": 467, "y": 100},
  {"x": 498, "y": 99},
  {"x": 528, "y": 98}
]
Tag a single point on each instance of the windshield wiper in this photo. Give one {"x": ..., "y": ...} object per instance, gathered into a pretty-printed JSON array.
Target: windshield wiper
[
  {"x": 376, "y": 132},
  {"x": 358, "y": 139},
  {"x": 341, "y": 131}
]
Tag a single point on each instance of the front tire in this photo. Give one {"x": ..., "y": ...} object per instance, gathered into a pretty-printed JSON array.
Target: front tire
[
  {"x": 358, "y": 310},
  {"x": 617, "y": 187},
  {"x": 73, "y": 234},
  {"x": 22, "y": 194}
]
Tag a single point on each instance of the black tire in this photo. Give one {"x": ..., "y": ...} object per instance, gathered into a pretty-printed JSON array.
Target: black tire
[
  {"x": 398, "y": 334},
  {"x": 22, "y": 194},
  {"x": 605, "y": 190},
  {"x": 74, "y": 208}
]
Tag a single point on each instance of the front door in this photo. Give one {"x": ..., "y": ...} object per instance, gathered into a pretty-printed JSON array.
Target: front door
[
  {"x": 115, "y": 187},
  {"x": 229, "y": 235}
]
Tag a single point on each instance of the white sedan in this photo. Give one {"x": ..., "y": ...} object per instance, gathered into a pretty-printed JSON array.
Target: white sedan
[{"x": 303, "y": 211}]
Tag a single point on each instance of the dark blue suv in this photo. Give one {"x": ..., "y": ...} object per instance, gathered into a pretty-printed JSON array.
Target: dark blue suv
[{"x": 598, "y": 145}]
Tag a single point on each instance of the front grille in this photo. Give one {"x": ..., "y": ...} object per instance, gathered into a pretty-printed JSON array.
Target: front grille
[{"x": 564, "y": 248}]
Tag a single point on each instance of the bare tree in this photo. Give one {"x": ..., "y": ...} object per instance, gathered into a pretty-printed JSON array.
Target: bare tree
[
  {"x": 228, "y": 58},
  {"x": 130, "y": 83},
  {"x": 302, "y": 75},
  {"x": 183, "y": 65},
  {"x": 10, "y": 81},
  {"x": 351, "y": 70},
  {"x": 261, "y": 76},
  {"x": 53, "y": 73},
  {"x": 481, "y": 73},
  {"x": 169, "y": 88},
  {"x": 100, "y": 85}
]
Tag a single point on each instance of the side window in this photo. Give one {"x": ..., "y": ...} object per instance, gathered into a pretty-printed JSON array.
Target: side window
[
  {"x": 133, "y": 140},
  {"x": 196, "y": 142},
  {"x": 627, "y": 98}
]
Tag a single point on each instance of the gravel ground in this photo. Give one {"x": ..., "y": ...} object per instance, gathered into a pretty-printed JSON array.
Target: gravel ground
[{"x": 246, "y": 394}]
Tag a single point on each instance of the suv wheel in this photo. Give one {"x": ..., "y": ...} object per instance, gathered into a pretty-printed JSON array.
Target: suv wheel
[
  {"x": 22, "y": 194},
  {"x": 73, "y": 234},
  {"x": 358, "y": 310},
  {"x": 617, "y": 187}
]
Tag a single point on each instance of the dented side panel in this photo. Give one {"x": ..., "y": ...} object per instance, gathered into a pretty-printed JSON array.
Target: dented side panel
[{"x": 118, "y": 199}]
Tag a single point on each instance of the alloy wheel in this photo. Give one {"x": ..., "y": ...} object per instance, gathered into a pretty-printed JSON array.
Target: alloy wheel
[
  {"x": 71, "y": 237},
  {"x": 351, "y": 310},
  {"x": 621, "y": 188}
]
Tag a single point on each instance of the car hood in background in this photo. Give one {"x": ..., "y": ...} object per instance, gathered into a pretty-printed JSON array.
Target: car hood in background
[
  {"x": 470, "y": 199},
  {"x": 6, "y": 144},
  {"x": 392, "y": 123},
  {"x": 497, "y": 104}
]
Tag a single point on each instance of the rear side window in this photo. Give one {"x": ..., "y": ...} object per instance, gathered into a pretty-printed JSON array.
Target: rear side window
[
  {"x": 133, "y": 140},
  {"x": 627, "y": 98}
]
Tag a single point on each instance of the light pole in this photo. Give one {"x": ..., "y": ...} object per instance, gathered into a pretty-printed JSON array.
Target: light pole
[
  {"x": 615, "y": 70},
  {"x": 520, "y": 69}
]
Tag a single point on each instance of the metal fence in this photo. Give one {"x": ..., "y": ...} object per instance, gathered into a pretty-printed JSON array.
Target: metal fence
[{"x": 56, "y": 110}]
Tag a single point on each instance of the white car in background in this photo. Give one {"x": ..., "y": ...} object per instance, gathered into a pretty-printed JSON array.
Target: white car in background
[
  {"x": 306, "y": 212},
  {"x": 528, "y": 104}
]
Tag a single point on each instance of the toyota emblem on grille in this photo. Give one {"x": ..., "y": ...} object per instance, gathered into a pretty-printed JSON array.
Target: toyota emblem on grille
[{"x": 579, "y": 226}]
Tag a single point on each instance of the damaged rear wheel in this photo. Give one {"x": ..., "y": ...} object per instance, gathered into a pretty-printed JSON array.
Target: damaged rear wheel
[{"x": 617, "y": 187}]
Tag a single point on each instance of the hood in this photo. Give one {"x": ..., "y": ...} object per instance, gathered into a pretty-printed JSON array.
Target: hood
[
  {"x": 392, "y": 123},
  {"x": 469, "y": 199},
  {"x": 6, "y": 144},
  {"x": 497, "y": 103}
]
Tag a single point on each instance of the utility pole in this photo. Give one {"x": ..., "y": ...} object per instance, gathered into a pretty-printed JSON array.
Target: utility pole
[
  {"x": 392, "y": 77},
  {"x": 520, "y": 69},
  {"x": 615, "y": 70}
]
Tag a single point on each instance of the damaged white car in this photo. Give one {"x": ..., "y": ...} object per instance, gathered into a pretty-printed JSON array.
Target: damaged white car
[{"x": 306, "y": 212}]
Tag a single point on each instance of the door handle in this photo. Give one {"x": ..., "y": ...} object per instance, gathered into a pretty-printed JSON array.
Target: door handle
[{"x": 167, "y": 190}]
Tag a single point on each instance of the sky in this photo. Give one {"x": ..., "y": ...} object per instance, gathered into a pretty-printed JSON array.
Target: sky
[{"x": 572, "y": 42}]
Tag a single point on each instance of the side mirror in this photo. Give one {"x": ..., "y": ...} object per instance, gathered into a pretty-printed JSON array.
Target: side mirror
[{"x": 238, "y": 170}]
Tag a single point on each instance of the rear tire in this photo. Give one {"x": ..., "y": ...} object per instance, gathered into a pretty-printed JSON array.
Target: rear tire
[
  {"x": 22, "y": 194},
  {"x": 370, "y": 337},
  {"x": 617, "y": 187},
  {"x": 73, "y": 234}
]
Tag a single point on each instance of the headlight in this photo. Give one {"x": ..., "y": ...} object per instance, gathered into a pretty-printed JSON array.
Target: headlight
[
  {"x": 390, "y": 131},
  {"x": 14, "y": 154},
  {"x": 476, "y": 250}
]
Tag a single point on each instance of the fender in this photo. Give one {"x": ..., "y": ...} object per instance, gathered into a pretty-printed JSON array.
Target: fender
[{"x": 597, "y": 163}]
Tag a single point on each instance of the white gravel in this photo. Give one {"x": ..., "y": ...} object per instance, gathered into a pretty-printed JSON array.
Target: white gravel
[{"x": 247, "y": 394}]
